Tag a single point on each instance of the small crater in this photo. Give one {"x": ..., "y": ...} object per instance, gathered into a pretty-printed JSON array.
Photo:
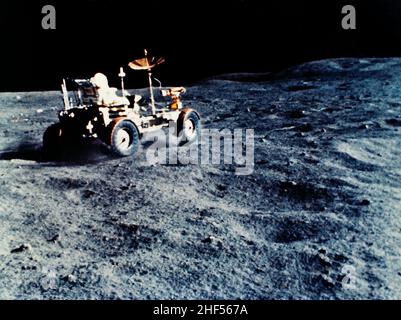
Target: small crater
[
  {"x": 394, "y": 122},
  {"x": 65, "y": 183},
  {"x": 293, "y": 228},
  {"x": 303, "y": 191}
]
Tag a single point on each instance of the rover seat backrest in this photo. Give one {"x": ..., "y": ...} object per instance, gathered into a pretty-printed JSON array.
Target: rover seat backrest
[{"x": 87, "y": 92}]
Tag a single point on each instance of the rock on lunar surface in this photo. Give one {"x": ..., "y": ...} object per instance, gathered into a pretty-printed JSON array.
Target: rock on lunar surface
[{"x": 318, "y": 219}]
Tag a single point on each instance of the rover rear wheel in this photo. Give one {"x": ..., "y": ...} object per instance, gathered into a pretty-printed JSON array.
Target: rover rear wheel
[
  {"x": 124, "y": 138},
  {"x": 53, "y": 138}
]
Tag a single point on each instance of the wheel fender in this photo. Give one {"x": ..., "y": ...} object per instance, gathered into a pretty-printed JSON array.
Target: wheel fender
[{"x": 186, "y": 111}]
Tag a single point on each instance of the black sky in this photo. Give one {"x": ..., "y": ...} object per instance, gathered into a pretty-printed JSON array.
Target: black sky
[{"x": 198, "y": 38}]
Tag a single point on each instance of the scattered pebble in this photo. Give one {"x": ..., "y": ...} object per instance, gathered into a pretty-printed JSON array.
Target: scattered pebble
[
  {"x": 324, "y": 260},
  {"x": 313, "y": 144},
  {"x": 306, "y": 127},
  {"x": 221, "y": 187},
  {"x": 327, "y": 281},
  {"x": 127, "y": 187},
  {"x": 70, "y": 278},
  {"x": 250, "y": 242},
  {"x": 339, "y": 257},
  {"x": 209, "y": 239},
  {"x": 297, "y": 114},
  {"x": 205, "y": 213},
  {"x": 288, "y": 185},
  {"x": 55, "y": 238},
  {"x": 21, "y": 248}
]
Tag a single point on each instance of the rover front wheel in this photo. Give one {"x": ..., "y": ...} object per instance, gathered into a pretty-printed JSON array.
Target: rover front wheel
[
  {"x": 124, "y": 138},
  {"x": 189, "y": 127}
]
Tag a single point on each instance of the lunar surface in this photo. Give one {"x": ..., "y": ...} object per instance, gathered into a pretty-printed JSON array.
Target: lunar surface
[{"x": 319, "y": 218}]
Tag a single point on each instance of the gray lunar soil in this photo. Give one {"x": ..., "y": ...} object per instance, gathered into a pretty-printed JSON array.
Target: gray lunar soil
[{"x": 318, "y": 219}]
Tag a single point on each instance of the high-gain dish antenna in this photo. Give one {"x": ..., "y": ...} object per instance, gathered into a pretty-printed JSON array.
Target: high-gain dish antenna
[{"x": 147, "y": 64}]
